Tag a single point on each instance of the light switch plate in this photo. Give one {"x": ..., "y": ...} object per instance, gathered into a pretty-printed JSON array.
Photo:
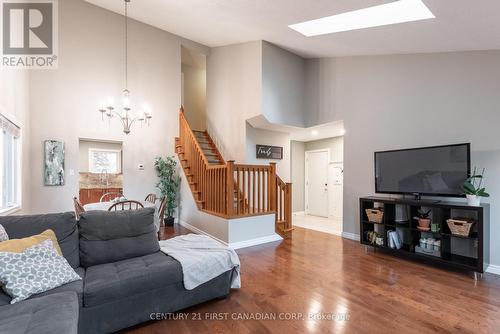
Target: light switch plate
[{"x": 140, "y": 167}]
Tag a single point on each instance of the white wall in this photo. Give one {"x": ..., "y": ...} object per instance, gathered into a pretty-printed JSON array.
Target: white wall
[
  {"x": 282, "y": 86},
  {"x": 64, "y": 101},
  {"x": 265, "y": 137},
  {"x": 14, "y": 103},
  {"x": 233, "y": 95},
  {"x": 195, "y": 92},
  {"x": 335, "y": 145},
  {"x": 401, "y": 101}
]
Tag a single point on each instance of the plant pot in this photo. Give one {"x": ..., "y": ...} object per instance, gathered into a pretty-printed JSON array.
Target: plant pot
[
  {"x": 473, "y": 200},
  {"x": 424, "y": 222},
  {"x": 169, "y": 221}
]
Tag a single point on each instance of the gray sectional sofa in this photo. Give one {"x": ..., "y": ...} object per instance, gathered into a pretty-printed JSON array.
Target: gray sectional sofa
[{"x": 125, "y": 277}]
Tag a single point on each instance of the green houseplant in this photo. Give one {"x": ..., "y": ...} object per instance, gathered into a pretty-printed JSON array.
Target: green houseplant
[
  {"x": 166, "y": 169},
  {"x": 473, "y": 188}
]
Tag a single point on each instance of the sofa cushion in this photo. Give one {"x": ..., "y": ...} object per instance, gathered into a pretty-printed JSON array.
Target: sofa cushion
[
  {"x": 19, "y": 245},
  {"x": 114, "y": 281},
  {"x": 35, "y": 270},
  {"x": 3, "y": 234},
  {"x": 57, "y": 313},
  {"x": 63, "y": 224},
  {"x": 76, "y": 286},
  {"x": 113, "y": 236}
]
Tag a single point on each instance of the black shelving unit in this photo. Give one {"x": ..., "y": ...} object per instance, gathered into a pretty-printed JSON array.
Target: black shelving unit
[{"x": 469, "y": 253}]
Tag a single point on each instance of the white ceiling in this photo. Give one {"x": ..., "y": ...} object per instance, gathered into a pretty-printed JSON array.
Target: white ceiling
[
  {"x": 459, "y": 25},
  {"x": 326, "y": 130}
]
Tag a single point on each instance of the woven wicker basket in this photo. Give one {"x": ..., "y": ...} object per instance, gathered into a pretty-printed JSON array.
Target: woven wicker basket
[
  {"x": 460, "y": 227},
  {"x": 375, "y": 215}
]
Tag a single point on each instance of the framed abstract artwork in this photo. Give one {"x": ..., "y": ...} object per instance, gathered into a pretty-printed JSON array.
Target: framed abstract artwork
[{"x": 53, "y": 163}]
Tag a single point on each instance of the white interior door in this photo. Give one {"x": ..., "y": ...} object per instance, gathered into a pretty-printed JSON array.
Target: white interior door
[
  {"x": 335, "y": 187},
  {"x": 317, "y": 183}
]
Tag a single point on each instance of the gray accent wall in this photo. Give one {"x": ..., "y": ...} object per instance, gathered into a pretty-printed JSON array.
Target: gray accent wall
[
  {"x": 282, "y": 86},
  {"x": 297, "y": 164},
  {"x": 403, "y": 101}
]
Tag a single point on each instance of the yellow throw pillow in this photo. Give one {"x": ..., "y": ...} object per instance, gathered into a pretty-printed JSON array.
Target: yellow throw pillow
[{"x": 19, "y": 245}]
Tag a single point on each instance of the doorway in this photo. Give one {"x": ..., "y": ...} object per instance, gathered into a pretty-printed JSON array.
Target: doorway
[
  {"x": 317, "y": 170},
  {"x": 316, "y": 182}
]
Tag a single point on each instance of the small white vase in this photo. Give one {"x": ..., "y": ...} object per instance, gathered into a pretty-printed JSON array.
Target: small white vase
[{"x": 473, "y": 200}]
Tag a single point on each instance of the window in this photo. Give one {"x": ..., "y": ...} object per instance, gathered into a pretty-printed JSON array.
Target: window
[
  {"x": 10, "y": 165},
  {"x": 104, "y": 161}
]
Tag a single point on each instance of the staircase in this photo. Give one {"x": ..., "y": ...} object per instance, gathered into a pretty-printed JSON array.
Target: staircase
[
  {"x": 208, "y": 147},
  {"x": 230, "y": 190}
]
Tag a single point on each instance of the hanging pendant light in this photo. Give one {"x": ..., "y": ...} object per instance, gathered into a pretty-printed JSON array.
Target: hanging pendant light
[{"x": 126, "y": 115}]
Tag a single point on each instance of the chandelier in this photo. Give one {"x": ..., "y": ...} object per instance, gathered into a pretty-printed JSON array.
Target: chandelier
[{"x": 126, "y": 115}]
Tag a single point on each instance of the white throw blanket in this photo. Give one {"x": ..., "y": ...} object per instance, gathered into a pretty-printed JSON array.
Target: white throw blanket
[{"x": 202, "y": 259}]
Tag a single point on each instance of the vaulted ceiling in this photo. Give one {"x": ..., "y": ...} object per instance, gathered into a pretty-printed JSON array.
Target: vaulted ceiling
[{"x": 459, "y": 25}]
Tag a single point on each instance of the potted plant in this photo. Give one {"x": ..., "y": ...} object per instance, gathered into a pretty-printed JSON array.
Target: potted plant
[
  {"x": 473, "y": 188},
  {"x": 424, "y": 222},
  {"x": 166, "y": 169}
]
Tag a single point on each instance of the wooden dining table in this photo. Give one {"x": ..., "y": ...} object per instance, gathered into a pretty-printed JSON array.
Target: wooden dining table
[{"x": 104, "y": 206}]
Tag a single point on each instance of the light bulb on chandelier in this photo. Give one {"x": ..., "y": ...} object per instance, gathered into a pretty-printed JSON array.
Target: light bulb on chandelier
[{"x": 127, "y": 115}]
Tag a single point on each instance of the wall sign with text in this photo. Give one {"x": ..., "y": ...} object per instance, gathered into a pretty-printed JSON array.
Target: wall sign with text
[{"x": 269, "y": 152}]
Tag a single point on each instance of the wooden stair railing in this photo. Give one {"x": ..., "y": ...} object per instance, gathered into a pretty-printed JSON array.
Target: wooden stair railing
[
  {"x": 231, "y": 190},
  {"x": 283, "y": 205}
]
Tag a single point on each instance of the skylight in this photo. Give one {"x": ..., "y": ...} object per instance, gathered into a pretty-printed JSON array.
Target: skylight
[{"x": 390, "y": 13}]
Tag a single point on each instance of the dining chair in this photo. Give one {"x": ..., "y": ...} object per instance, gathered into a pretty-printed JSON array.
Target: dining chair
[
  {"x": 78, "y": 208},
  {"x": 161, "y": 214},
  {"x": 108, "y": 197},
  {"x": 151, "y": 198},
  {"x": 126, "y": 205}
]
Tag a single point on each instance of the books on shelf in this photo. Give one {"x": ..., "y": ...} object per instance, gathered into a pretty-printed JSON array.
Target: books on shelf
[{"x": 394, "y": 240}]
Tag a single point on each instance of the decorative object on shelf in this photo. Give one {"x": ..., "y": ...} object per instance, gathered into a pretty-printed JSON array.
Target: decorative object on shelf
[
  {"x": 402, "y": 213},
  {"x": 460, "y": 226},
  {"x": 473, "y": 188},
  {"x": 166, "y": 169},
  {"x": 424, "y": 222},
  {"x": 394, "y": 240},
  {"x": 375, "y": 215},
  {"x": 429, "y": 246},
  {"x": 127, "y": 116},
  {"x": 269, "y": 152},
  {"x": 375, "y": 238},
  {"x": 435, "y": 227},
  {"x": 53, "y": 174}
]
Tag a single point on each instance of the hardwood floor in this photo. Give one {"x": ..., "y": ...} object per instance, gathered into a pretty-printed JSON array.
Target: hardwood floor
[{"x": 320, "y": 274}]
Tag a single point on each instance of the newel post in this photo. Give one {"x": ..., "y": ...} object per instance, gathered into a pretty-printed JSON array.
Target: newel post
[
  {"x": 272, "y": 187},
  {"x": 230, "y": 188}
]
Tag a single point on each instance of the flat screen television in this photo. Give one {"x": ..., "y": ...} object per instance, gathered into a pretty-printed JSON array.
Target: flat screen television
[{"x": 427, "y": 171}]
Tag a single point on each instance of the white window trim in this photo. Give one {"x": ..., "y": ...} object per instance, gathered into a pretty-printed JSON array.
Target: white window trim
[
  {"x": 119, "y": 163},
  {"x": 14, "y": 120}
]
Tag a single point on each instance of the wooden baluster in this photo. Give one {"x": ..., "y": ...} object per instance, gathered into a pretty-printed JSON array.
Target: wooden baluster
[
  {"x": 272, "y": 187},
  {"x": 230, "y": 188}
]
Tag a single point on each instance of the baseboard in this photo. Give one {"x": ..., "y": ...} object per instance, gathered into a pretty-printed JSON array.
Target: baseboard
[
  {"x": 198, "y": 231},
  {"x": 299, "y": 213},
  {"x": 352, "y": 236},
  {"x": 256, "y": 241},
  {"x": 234, "y": 245},
  {"x": 493, "y": 269}
]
